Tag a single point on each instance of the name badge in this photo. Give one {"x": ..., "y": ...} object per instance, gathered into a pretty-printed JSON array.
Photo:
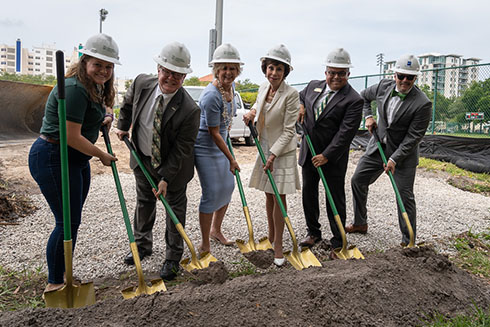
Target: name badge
[{"x": 317, "y": 90}]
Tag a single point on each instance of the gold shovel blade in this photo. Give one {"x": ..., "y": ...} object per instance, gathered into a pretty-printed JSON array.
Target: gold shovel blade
[
  {"x": 303, "y": 259},
  {"x": 157, "y": 285},
  {"x": 250, "y": 246},
  {"x": 194, "y": 263},
  {"x": 71, "y": 296},
  {"x": 351, "y": 253}
]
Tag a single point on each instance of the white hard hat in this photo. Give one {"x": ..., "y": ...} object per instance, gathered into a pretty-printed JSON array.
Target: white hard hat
[
  {"x": 175, "y": 57},
  {"x": 280, "y": 53},
  {"x": 226, "y": 53},
  {"x": 338, "y": 58},
  {"x": 407, "y": 64},
  {"x": 102, "y": 46}
]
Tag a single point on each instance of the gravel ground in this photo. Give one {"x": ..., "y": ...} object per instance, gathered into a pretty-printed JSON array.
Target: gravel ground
[{"x": 102, "y": 243}]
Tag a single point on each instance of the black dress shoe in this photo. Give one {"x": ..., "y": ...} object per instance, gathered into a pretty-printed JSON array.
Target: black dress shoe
[
  {"x": 309, "y": 241},
  {"x": 129, "y": 260},
  {"x": 169, "y": 270}
]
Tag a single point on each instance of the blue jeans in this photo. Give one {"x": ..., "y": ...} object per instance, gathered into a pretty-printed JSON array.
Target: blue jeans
[{"x": 45, "y": 168}]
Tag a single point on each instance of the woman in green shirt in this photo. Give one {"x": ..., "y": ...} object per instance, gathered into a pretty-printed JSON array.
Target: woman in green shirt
[{"x": 89, "y": 89}]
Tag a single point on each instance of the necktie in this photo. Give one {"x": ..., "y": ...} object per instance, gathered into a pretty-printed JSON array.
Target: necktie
[
  {"x": 156, "y": 157},
  {"x": 402, "y": 96},
  {"x": 319, "y": 110}
]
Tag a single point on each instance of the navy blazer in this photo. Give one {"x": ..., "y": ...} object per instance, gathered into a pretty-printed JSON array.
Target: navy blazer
[{"x": 332, "y": 133}]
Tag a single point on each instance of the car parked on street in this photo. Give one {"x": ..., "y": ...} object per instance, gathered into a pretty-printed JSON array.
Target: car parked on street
[{"x": 238, "y": 127}]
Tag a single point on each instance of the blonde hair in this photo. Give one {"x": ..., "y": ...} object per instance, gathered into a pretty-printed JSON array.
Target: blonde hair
[
  {"x": 220, "y": 65},
  {"x": 79, "y": 69}
]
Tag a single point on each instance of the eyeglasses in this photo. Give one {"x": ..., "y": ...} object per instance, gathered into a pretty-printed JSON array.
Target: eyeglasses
[
  {"x": 339, "y": 74},
  {"x": 167, "y": 73},
  {"x": 401, "y": 77}
]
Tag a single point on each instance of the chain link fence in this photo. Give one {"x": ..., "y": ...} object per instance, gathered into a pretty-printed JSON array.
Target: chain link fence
[{"x": 461, "y": 105}]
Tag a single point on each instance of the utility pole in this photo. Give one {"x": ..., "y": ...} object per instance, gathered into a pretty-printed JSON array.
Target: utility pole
[
  {"x": 103, "y": 15},
  {"x": 379, "y": 63},
  {"x": 216, "y": 34}
]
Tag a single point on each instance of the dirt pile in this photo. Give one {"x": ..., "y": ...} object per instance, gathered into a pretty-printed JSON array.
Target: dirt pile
[{"x": 395, "y": 288}]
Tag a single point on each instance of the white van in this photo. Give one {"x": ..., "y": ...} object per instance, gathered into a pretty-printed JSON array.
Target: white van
[{"x": 238, "y": 127}]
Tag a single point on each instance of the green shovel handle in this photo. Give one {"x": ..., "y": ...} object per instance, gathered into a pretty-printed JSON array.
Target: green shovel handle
[
  {"x": 237, "y": 174},
  {"x": 150, "y": 180},
  {"x": 253, "y": 131},
  {"x": 122, "y": 201},
  {"x": 392, "y": 179},
  {"x": 65, "y": 180}
]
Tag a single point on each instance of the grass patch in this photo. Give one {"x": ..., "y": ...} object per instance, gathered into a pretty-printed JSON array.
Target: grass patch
[
  {"x": 20, "y": 290},
  {"x": 460, "y": 178},
  {"x": 244, "y": 268},
  {"x": 473, "y": 252},
  {"x": 477, "y": 318}
]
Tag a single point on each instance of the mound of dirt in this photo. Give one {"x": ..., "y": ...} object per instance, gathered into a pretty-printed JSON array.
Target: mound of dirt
[{"x": 395, "y": 288}]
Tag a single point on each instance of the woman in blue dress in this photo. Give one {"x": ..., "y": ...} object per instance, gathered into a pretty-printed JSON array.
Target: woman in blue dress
[{"x": 214, "y": 163}]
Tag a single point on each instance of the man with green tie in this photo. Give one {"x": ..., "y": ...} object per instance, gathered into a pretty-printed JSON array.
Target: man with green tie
[
  {"x": 403, "y": 115},
  {"x": 331, "y": 111},
  {"x": 164, "y": 120}
]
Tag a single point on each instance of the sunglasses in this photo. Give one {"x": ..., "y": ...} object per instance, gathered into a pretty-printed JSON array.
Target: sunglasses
[
  {"x": 339, "y": 74},
  {"x": 401, "y": 77}
]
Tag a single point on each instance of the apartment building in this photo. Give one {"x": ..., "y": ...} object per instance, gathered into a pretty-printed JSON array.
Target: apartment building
[
  {"x": 38, "y": 61},
  {"x": 450, "y": 82}
]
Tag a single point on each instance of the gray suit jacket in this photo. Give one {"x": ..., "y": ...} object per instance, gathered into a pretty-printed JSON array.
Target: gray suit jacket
[
  {"x": 178, "y": 134},
  {"x": 408, "y": 126}
]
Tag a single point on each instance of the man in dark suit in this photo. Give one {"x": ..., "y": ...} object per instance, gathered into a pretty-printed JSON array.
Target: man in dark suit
[
  {"x": 165, "y": 122},
  {"x": 403, "y": 115},
  {"x": 331, "y": 111}
]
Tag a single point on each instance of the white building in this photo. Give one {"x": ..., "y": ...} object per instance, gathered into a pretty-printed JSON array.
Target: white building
[
  {"x": 450, "y": 82},
  {"x": 40, "y": 60}
]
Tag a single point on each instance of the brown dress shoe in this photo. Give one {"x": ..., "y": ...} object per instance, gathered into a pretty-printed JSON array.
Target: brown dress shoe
[
  {"x": 361, "y": 229},
  {"x": 309, "y": 241},
  {"x": 332, "y": 256}
]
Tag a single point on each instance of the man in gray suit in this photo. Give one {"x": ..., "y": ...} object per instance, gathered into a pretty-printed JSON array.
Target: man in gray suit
[
  {"x": 165, "y": 122},
  {"x": 404, "y": 112},
  {"x": 331, "y": 111}
]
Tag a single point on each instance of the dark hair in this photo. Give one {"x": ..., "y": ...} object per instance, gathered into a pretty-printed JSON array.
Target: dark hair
[
  {"x": 79, "y": 70},
  {"x": 267, "y": 61}
]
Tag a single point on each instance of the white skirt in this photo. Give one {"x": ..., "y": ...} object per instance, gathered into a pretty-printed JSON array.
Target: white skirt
[{"x": 285, "y": 172}]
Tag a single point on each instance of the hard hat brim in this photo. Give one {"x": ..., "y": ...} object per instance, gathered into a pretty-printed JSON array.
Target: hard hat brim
[
  {"x": 165, "y": 64},
  {"x": 407, "y": 72},
  {"x": 278, "y": 59},
  {"x": 339, "y": 65},
  {"x": 100, "y": 56},
  {"x": 226, "y": 61}
]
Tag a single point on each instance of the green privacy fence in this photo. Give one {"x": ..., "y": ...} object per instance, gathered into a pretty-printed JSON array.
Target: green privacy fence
[{"x": 461, "y": 104}]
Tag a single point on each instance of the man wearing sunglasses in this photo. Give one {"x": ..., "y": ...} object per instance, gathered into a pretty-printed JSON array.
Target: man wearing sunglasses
[
  {"x": 402, "y": 118},
  {"x": 331, "y": 111},
  {"x": 165, "y": 122}
]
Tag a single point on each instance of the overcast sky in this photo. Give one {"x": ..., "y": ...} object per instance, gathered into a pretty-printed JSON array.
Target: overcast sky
[{"x": 309, "y": 28}]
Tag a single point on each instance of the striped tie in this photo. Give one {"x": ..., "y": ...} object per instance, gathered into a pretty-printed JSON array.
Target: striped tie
[
  {"x": 319, "y": 110},
  {"x": 156, "y": 157}
]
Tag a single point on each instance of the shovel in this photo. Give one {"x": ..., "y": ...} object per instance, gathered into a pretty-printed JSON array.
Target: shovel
[
  {"x": 343, "y": 252},
  {"x": 411, "y": 244},
  {"x": 299, "y": 260},
  {"x": 142, "y": 288},
  {"x": 246, "y": 247},
  {"x": 69, "y": 296},
  {"x": 194, "y": 263}
]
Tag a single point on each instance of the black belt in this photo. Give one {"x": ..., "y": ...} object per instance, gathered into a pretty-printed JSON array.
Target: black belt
[{"x": 49, "y": 139}]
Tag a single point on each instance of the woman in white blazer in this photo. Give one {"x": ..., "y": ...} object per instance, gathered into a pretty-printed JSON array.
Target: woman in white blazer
[{"x": 276, "y": 110}]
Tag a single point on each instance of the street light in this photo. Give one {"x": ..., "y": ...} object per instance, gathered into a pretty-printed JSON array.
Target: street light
[
  {"x": 379, "y": 63},
  {"x": 103, "y": 15}
]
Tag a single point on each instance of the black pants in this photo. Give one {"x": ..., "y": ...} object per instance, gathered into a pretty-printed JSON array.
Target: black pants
[
  {"x": 311, "y": 180},
  {"x": 144, "y": 217}
]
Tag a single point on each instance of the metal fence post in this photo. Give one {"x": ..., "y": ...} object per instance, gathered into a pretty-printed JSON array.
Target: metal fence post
[{"x": 434, "y": 103}]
